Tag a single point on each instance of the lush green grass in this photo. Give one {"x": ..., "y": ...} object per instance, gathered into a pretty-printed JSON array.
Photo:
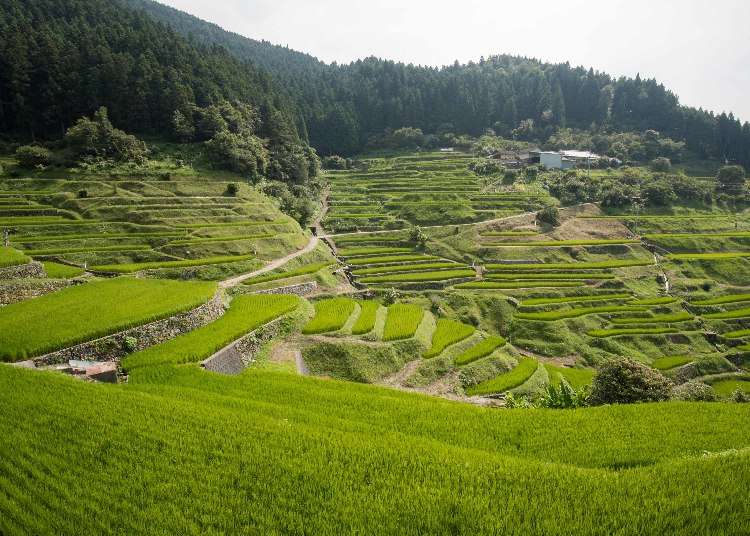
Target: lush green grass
[
  {"x": 708, "y": 256},
  {"x": 12, "y": 257},
  {"x": 422, "y": 267},
  {"x": 509, "y": 233},
  {"x": 178, "y": 450},
  {"x": 576, "y": 377},
  {"x": 562, "y": 243},
  {"x": 571, "y": 265},
  {"x": 739, "y": 334},
  {"x": 330, "y": 315},
  {"x": 385, "y": 259},
  {"x": 85, "y": 312},
  {"x": 56, "y": 270},
  {"x": 731, "y": 234},
  {"x": 218, "y": 239},
  {"x": 448, "y": 332},
  {"x": 656, "y": 319},
  {"x": 499, "y": 285},
  {"x": 575, "y": 299},
  {"x": 550, "y": 276},
  {"x": 603, "y": 333},
  {"x": 351, "y": 252},
  {"x": 245, "y": 314},
  {"x": 86, "y": 249},
  {"x": 720, "y": 300},
  {"x": 402, "y": 321},
  {"x": 670, "y": 362},
  {"x": 736, "y": 313},
  {"x": 725, "y": 388},
  {"x": 440, "y": 275},
  {"x": 549, "y": 316},
  {"x": 367, "y": 315},
  {"x": 304, "y": 270},
  {"x": 108, "y": 236},
  {"x": 138, "y": 266},
  {"x": 505, "y": 382},
  {"x": 662, "y": 300},
  {"x": 480, "y": 350}
]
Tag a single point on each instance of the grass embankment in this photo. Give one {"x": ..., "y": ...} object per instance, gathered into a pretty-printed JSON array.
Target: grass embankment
[
  {"x": 245, "y": 314},
  {"x": 670, "y": 362},
  {"x": 708, "y": 256},
  {"x": 576, "y": 377},
  {"x": 615, "y": 332},
  {"x": 480, "y": 350},
  {"x": 549, "y": 316},
  {"x": 355, "y": 251},
  {"x": 572, "y": 265},
  {"x": 721, "y": 300},
  {"x": 402, "y": 321},
  {"x": 388, "y": 259},
  {"x": 423, "y": 267},
  {"x": 505, "y": 382},
  {"x": 178, "y": 450},
  {"x": 447, "y": 333},
  {"x": 415, "y": 277},
  {"x": 55, "y": 270},
  {"x": 499, "y": 285},
  {"x": 549, "y": 276},
  {"x": 562, "y": 243},
  {"x": 656, "y": 319},
  {"x": 330, "y": 315},
  {"x": 575, "y": 299},
  {"x": 12, "y": 257},
  {"x": 137, "y": 267},
  {"x": 85, "y": 312}
]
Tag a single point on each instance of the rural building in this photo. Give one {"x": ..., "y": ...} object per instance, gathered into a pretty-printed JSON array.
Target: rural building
[{"x": 564, "y": 159}]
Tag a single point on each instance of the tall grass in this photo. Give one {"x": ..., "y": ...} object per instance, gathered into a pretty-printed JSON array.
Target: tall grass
[
  {"x": 245, "y": 314},
  {"x": 447, "y": 333},
  {"x": 330, "y": 315},
  {"x": 85, "y": 312}
]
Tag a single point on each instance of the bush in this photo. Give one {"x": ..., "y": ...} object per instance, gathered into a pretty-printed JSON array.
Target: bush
[
  {"x": 391, "y": 296},
  {"x": 232, "y": 189},
  {"x": 83, "y": 194},
  {"x": 563, "y": 396},
  {"x": 549, "y": 215},
  {"x": 661, "y": 165},
  {"x": 731, "y": 180},
  {"x": 739, "y": 396},
  {"x": 624, "y": 381},
  {"x": 335, "y": 162},
  {"x": 31, "y": 156},
  {"x": 694, "y": 391},
  {"x": 241, "y": 154},
  {"x": 97, "y": 138}
]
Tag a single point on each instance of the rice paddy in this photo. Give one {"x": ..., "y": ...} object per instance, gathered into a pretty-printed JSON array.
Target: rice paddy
[
  {"x": 330, "y": 315},
  {"x": 402, "y": 321},
  {"x": 447, "y": 333}
]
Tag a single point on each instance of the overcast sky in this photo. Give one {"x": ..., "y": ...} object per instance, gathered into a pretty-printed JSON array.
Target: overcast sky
[{"x": 698, "y": 48}]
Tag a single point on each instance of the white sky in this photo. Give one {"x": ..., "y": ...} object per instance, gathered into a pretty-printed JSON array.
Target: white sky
[{"x": 698, "y": 48}]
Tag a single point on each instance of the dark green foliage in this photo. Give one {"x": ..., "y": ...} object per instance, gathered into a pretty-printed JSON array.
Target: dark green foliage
[
  {"x": 731, "y": 180},
  {"x": 661, "y": 165},
  {"x": 549, "y": 215},
  {"x": 624, "y": 381},
  {"x": 31, "y": 156},
  {"x": 563, "y": 396},
  {"x": 694, "y": 391},
  {"x": 97, "y": 139}
]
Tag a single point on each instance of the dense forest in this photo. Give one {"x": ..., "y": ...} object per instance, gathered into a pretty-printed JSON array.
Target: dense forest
[
  {"x": 62, "y": 59},
  {"x": 341, "y": 106}
]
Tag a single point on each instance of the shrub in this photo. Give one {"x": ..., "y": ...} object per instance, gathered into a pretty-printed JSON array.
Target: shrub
[
  {"x": 98, "y": 138},
  {"x": 391, "y": 296},
  {"x": 624, "y": 381},
  {"x": 731, "y": 180},
  {"x": 739, "y": 396},
  {"x": 334, "y": 162},
  {"x": 31, "y": 156},
  {"x": 83, "y": 194},
  {"x": 563, "y": 396},
  {"x": 232, "y": 189},
  {"x": 694, "y": 391},
  {"x": 549, "y": 215},
  {"x": 661, "y": 165}
]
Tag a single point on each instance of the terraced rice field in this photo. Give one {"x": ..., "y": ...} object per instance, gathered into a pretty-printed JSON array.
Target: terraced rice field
[
  {"x": 447, "y": 333},
  {"x": 12, "y": 257},
  {"x": 480, "y": 350},
  {"x": 330, "y": 315},
  {"x": 508, "y": 381},
  {"x": 402, "y": 321}
]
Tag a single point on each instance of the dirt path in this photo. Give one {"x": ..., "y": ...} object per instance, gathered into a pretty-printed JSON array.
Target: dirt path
[{"x": 301, "y": 366}]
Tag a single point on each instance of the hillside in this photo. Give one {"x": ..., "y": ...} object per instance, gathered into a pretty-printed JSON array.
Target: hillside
[{"x": 343, "y": 105}]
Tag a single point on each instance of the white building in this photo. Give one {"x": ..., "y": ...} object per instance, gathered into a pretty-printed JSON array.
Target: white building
[{"x": 564, "y": 159}]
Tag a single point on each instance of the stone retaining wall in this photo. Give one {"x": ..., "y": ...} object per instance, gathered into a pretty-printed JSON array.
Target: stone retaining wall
[
  {"x": 234, "y": 358},
  {"x": 112, "y": 347},
  {"x": 33, "y": 269},
  {"x": 24, "y": 289},
  {"x": 301, "y": 289}
]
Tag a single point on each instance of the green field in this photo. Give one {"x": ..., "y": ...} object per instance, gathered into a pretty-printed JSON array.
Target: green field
[
  {"x": 510, "y": 380},
  {"x": 330, "y": 315},
  {"x": 448, "y": 332},
  {"x": 480, "y": 350},
  {"x": 402, "y": 321},
  {"x": 12, "y": 257},
  {"x": 85, "y": 312},
  {"x": 367, "y": 316},
  {"x": 245, "y": 314}
]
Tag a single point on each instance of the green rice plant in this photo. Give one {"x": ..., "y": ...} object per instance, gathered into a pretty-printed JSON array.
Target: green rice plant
[
  {"x": 330, "y": 315},
  {"x": 422, "y": 267},
  {"x": 108, "y": 236},
  {"x": 562, "y": 243},
  {"x": 155, "y": 265},
  {"x": 739, "y": 334},
  {"x": 304, "y": 270},
  {"x": 90, "y": 249},
  {"x": 218, "y": 239},
  {"x": 731, "y": 298},
  {"x": 603, "y": 333},
  {"x": 725, "y": 388},
  {"x": 61, "y": 271},
  {"x": 736, "y": 313},
  {"x": 572, "y": 265},
  {"x": 245, "y": 314},
  {"x": 509, "y": 233},
  {"x": 551, "y": 275},
  {"x": 447, "y": 333},
  {"x": 351, "y": 252},
  {"x": 656, "y": 319},
  {"x": 402, "y": 321},
  {"x": 577, "y": 378},
  {"x": 85, "y": 312},
  {"x": 708, "y": 256},
  {"x": 670, "y": 362},
  {"x": 366, "y": 321},
  {"x": 12, "y": 257},
  {"x": 505, "y": 382},
  {"x": 575, "y": 299},
  {"x": 441, "y": 275},
  {"x": 499, "y": 285},
  {"x": 359, "y": 239},
  {"x": 732, "y": 234},
  {"x": 480, "y": 350},
  {"x": 386, "y": 259},
  {"x": 663, "y": 300},
  {"x": 551, "y": 316}
]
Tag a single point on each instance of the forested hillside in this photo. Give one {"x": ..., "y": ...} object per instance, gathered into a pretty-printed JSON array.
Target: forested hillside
[{"x": 342, "y": 105}]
